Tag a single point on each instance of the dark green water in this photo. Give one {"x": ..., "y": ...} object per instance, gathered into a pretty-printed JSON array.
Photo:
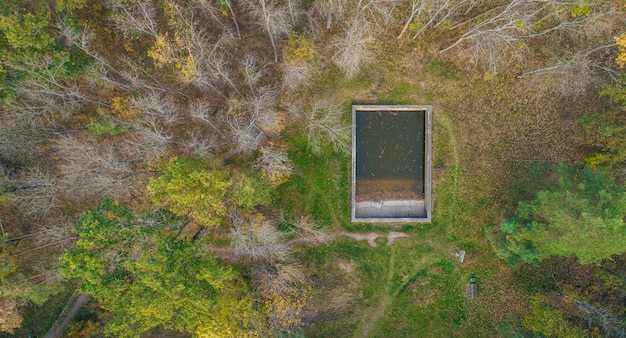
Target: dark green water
[{"x": 390, "y": 145}]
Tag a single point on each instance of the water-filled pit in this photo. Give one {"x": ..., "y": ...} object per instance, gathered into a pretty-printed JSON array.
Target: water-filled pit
[{"x": 391, "y": 163}]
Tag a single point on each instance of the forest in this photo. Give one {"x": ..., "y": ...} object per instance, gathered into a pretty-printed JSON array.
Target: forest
[{"x": 182, "y": 166}]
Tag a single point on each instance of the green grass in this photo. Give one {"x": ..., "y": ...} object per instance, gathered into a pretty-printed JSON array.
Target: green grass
[
  {"x": 431, "y": 304},
  {"x": 439, "y": 69},
  {"x": 319, "y": 186},
  {"x": 416, "y": 286}
]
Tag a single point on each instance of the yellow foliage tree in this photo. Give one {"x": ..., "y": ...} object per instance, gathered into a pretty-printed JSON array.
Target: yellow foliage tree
[
  {"x": 621, "y": 45},
  {"x": 299, "y": 49},
  {"x": 549, "y": 321},
  {"x": 205, "y": 190},
  {"x": 173, "y": 52}
]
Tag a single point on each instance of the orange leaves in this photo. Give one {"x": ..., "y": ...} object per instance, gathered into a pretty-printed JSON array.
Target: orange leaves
[
  {"x": 121, "y": 108},
  {"x": 9, "y": 317},
  {"x": 284, "y": 308}
]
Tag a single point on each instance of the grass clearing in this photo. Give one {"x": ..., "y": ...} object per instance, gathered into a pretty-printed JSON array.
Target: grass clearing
[
  {"x": 415, "y": 286},
  {"x": 319, "y": 186}
]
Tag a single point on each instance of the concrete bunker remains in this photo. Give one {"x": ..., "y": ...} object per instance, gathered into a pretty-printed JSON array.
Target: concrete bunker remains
[{"x": 391, "y": 163}]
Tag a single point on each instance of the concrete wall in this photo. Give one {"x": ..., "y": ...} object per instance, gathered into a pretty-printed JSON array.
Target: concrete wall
[{"x": 388, "y": 209}]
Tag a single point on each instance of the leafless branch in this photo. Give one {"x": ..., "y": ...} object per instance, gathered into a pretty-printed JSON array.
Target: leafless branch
[
  {"x": 273, "y": 17},
  {"x": 201, "y": 110},
  {"x": 257, "y": 240},
  {"x": 157, "y": 104},
  {"x": 352, "y": 48},
  {"x": 35, "y": 192},
  {"x": 324, "y": 125},
  {"x": 199, "y": 144},
  {"x": 506, "y": 30},
  {"x": 252, "y": 70},
  {"x": 295, "y": 74},
  {"x": 150, "y": 139},
  {"x": 134, "y": 17},
  {"x": 275, "y": 164},
  {"x": 88, "y": 168}
]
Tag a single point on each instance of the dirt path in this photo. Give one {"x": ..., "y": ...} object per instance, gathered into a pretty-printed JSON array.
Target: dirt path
[
  {"x": 371, "y": 237},
  {"x": 66, "y": 316},
  {"x": 383, "y": 303},
  {"x": 392, "y": 236},
  {"x": 385, "y": 298}
]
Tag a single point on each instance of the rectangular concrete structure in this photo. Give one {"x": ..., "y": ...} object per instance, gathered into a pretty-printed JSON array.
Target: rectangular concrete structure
[{"x": 391, "y": 163}]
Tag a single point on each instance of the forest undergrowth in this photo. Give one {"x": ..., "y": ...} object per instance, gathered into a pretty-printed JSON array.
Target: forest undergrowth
[{"x": 187, "y": 165}]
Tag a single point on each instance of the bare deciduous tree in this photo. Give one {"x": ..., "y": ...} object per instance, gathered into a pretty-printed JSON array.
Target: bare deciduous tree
[
  {"x": 157, "y": 104},
  {"x": 603, "y": 317},
  {"x": 255, "y": 239},
  {"x": 23, "y": 131},
  {"x": 375, "y": 11},
  {"x": 209, "y": 7},
  {"x": 43, "y": 91},
  {"x": 252, "y": 71},
  {"x": 279, "y": 278},
  {"x": 134, "y": 17},
  {"x": 294, "y": 75},
  {"x": 494, "y": 37},
  {"x": 352, "y": 48},
  {"x": 34, "y": 191},
  {"x": 331, "y": 10},
  {"x": 273, "y": 17},
  {"x": 229, "y": 4},
  {"x": 359, "y": 18},
  {"x": 125, "y": 75},
  {"x": 572, "y": 76},
  {"x": 149, "y": 139},
  {"x": 324, "y": 125},
  {"x": 200, "y": 144},
  {"x": 15, "y": 147},
  {"x": 242, "y": 119},
  {"x": 294, "y": 7},
  {"x": 504, "y": 31},
  {"x": 275, "y": 164},
  {"x": 88, "y": 169},
  {"x": 260, "y": 101},
  {"x": 140, "y": 78},
  {"x": 431, "y": 13},
  {"x": 378, "y": 12},
  {"x": 306, "y": 231},
  {"x": 202, "y": 110},
  {"x": 208, "y": 60},
  {"x": 243, "y": 132},
  {"x": 261, "y": 107},
  {"x": 54, "y": 233}
]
